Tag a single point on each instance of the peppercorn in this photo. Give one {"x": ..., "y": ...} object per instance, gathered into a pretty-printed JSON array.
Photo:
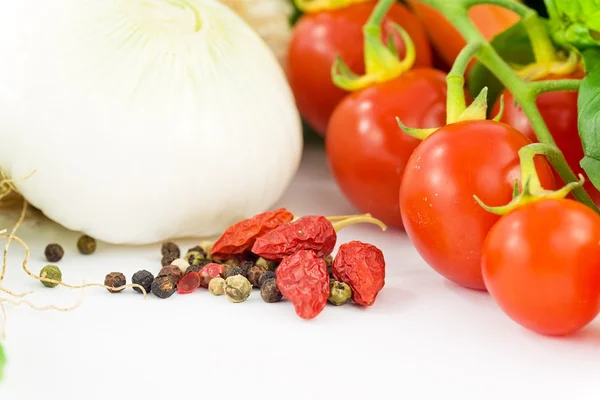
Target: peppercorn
[
  {"x": 217, "y": 286},
  {"x": 237, "y": 288},
  {"x": 270, "y": 292},
  {"x": 245, "y": 267},
  {"x": 144, "y": 279},
  {"x": 115, "y": 280},
  {"x": 206, "y": 245},
  {"x": 267, "y": 265},
  {"x": 254, "y": 275},
  {"x": 232, "y": 272},
  {"x": 172, "y": 271},
  {"x": 51, "y": 272},
  {"x": 170, "y": 248},
  {"x": 194, "y": 257},
  {"x": 199, "y": 250},
  {"x": 164, "y": 286},
  {"x": 54, "y": 252},
  {"x": 169, "y": 258},
  {"x": 232, "y": 262},
  {"x": 265, "y": 276},
  {"x": 339, "y": 293},
  {"x": 86, "y": 244},
  {"x": 192, "y": 268},
  {"x": 328, "y": 263},
  {"x": 181, "y": 264}
]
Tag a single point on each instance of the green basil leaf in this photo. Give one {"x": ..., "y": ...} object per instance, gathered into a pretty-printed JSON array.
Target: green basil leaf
[
  {"x": 2, "y": 361},
  {"x": 575, "y": 23},
  {"x": 514, "y": 46},
  {"x": 588, "y": 105}
]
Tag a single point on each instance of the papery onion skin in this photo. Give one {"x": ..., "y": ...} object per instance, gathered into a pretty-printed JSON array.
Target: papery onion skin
[{"x": 138, "y": 132}]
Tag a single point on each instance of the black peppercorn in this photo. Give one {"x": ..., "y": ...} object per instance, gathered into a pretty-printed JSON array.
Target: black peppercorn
[
  {"x": 270, "y": 292},
  {"x": 163, "y": 287},
  {"x": 199, "y": 250},
  {"x": 170, "y": 248},
  {"x": 245, "y": 267},
  {"x": 254, "y": 275},
  {"x": 144, "y": 279},
  {"x": 232, "y": 272},
  {"x": 86, "y": 244},
  {"x": 172, "y": 271},
  {"x": 115, "y": 280},
  {"x": 266, "y": 275},
  {"x": 168, "y": 259},
  {"x": 54, "y": 252},
  {"x": 192, "y": 268}
]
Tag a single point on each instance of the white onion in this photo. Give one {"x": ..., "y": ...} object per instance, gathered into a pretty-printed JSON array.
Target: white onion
[{"x": 144, "y": 119}]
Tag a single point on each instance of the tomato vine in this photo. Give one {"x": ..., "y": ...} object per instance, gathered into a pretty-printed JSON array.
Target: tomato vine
[{"x": 524, "y": 92}]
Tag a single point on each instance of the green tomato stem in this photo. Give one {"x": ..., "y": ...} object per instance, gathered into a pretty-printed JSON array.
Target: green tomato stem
[
  {"x": 379, "y": 12},
  {"x": 457, "y": 12},
  {"x": 543, "y": 49},
  {"x": 456, "y": 102},
  {"x": 567, "y": 85}
]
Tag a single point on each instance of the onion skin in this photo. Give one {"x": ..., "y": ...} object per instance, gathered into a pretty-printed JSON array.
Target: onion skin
[{"x": 140, "y": 133}]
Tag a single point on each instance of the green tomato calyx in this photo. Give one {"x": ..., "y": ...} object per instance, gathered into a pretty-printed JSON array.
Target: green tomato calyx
[
  {"x": 532, "y": 189},
  {"x": 382, "y": 62},
  {"x": 557, "y": 66}
]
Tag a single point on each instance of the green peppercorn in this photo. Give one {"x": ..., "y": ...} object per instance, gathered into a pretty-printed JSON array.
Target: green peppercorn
[
  {"x": 170, "y": 248},
  {"x": 254, "y": 275},
  {"x": 115, "y": 280},
  {"x": 54, "y": 252},
  {"x": 164, "y": 286},
  {"x": 144, "y": 279},
  {"x": 51, "y": 272},
  {"x": 339, "y": 293},
  {"x": 217, "y": 286},
  {"x": 194, "y": 257},
  {"x": 199, "y": 250},
  {"x": 232, "y": 262},
  {"x": 269, "y": 291},
  {"x": 206, "y": 245},
  {"x": 237, "y": 288},
  {"x": 266, "y": 275},
  {"x": 267, "y": 265},
  {"x": 232, "y": 271},
  {"x": 86, "y": 244}
]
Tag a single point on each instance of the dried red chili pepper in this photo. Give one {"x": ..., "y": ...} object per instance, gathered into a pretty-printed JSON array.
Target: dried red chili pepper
[
  {"x": 210, "y": 271},
  {"x": 240, "y": 237},
  {"x": 362, "y": 267},
  {"x": 306, "y": 233},
  {"x": 189, "y": 283},
  {"x": 303, "y": 279}
]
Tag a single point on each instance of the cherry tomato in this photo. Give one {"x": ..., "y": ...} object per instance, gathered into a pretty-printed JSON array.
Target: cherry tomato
[
  {"x": 447, "y": 40},
  {"x": 367, "y": 150},
  {"x": 559, "y": 110},
  {"x": 541, "y": 264},
  {"x": 441, "y": 217},
  {"x": 319, "y": 38}
]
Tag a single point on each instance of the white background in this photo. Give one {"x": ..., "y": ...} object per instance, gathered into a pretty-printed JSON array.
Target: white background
[{"x": 424, "y": 338}]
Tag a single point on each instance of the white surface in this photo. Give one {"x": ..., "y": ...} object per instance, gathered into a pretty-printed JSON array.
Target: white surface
[{"x": 423, "y": 339}]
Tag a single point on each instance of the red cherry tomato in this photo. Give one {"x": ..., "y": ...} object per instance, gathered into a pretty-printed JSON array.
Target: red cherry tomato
[
  {"x": 440, "y": 215},
  {"x": 367, "y": 150},
  {"x": 559, "y": 110},
  {"x": 541, "y": 264},
  {"x": 490, "y": 20},
  {"x": 319, "y": 38}
]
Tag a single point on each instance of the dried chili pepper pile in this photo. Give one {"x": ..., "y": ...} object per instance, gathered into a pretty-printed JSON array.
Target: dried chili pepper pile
[{"x": 282, "y": 256}]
